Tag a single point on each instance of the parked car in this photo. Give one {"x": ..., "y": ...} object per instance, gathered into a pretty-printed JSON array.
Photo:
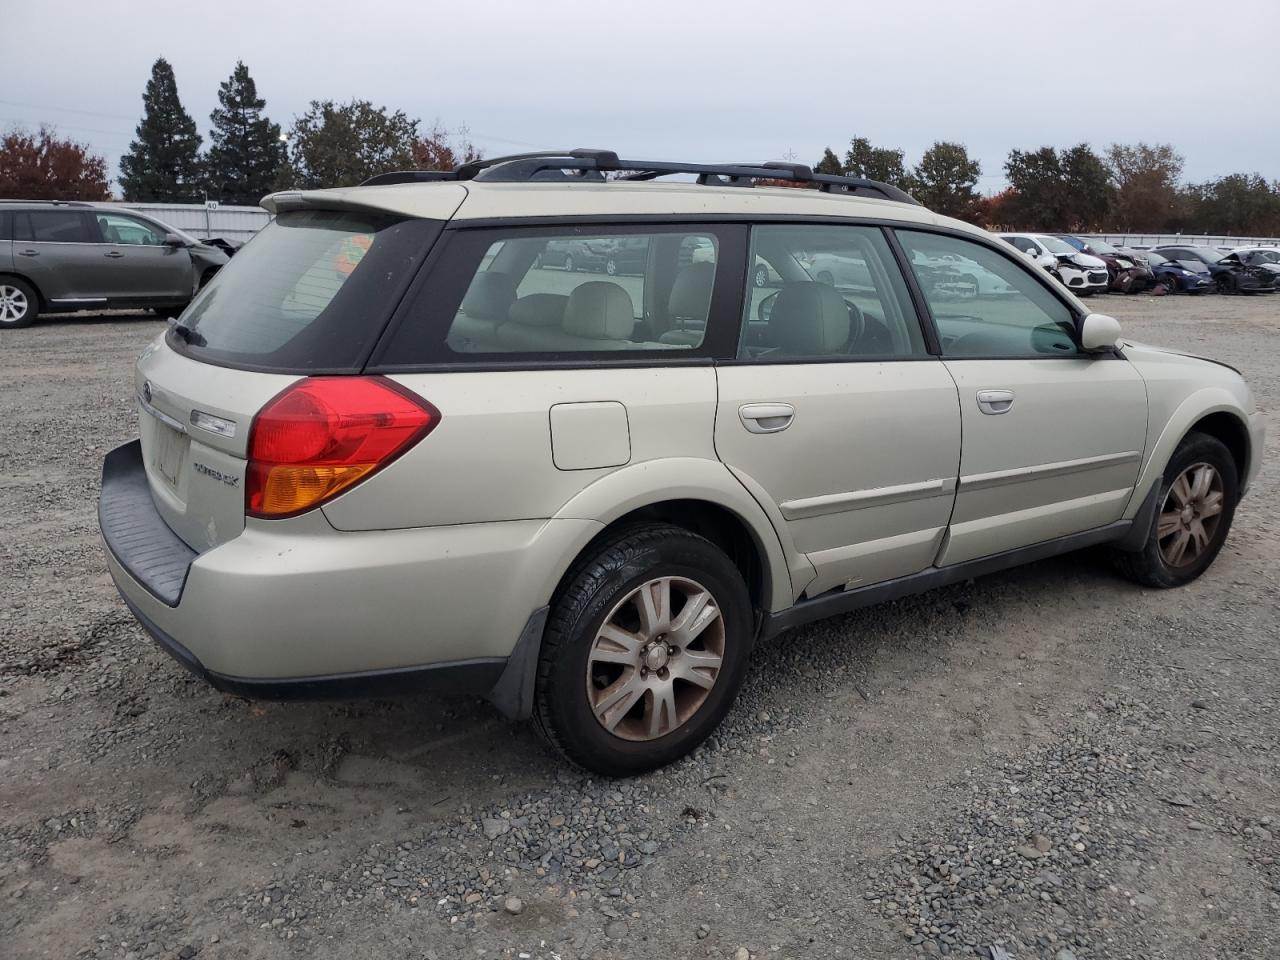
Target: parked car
[
  {"x": 1268, "y": 258},
  {"x": 1126, "y": 274},
  {"x": 839, "y": 270},
  {"x": 58, "y": 256},
  {"x": 1080, "y": 273},
  {"x": 1230, "y": 274},
  {"x": 574, "y": 254},
  {"x": 958, "y": 277},
  {"x": 591, "y": 511},
  {"x": 628, "y": 256},
  {"x": 1176, "y": 276}
]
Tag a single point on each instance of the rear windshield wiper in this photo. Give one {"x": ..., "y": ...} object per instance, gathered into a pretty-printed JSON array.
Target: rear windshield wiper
[{"x": 189, "y": 335}]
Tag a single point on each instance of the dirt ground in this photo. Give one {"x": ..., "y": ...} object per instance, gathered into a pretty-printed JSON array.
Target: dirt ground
[{"x": 1048, "y": 762}]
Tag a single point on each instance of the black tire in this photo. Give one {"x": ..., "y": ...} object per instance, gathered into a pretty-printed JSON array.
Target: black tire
[
  {"x": 1149, "y": 566},
  {"x": 761, "y": 276},
  {"x": 1170, "y": 284},
  {"x": 19, "y": 303},
  {"x": 589, "y": 593},
  {"x": 611, "y": 267},
  {"x": 1226, "y": 285}
]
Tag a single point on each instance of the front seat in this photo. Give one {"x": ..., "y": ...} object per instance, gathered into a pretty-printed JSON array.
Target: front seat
[
  {"x": 808, "y": 319},
  {"x": 689, "y": 305}
]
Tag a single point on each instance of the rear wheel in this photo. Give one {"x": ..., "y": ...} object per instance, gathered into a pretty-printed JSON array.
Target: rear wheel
[
  {"x": 19, "y": 304},
  {"x": 761, "y": 276},
  {"x": 645, "y": 649},
  {"x": 1197, "y": 502},
  {"x": 611, "y": 267}
]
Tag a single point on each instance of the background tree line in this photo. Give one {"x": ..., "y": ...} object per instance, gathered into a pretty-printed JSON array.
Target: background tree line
[
  {"x": 1128, "y": 188},
  {"x": 330, "y": 145}
]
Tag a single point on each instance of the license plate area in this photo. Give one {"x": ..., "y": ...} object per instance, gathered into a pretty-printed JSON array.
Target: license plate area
[{"x": 169, "y": 453}]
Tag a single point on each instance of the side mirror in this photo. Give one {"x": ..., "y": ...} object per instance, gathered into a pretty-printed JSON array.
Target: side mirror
[
  {"x": 1099, "y": 332},
  {"x": 173, "y": 240}
]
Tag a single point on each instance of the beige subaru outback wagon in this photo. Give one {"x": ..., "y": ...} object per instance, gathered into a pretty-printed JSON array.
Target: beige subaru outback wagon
[{"x": 397, "y": 445}]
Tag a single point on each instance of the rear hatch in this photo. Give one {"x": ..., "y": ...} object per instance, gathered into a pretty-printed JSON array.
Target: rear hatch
[{"x": 308, "y": 295}]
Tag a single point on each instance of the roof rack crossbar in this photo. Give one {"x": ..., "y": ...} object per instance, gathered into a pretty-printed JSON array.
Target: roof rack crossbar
[{"x": 586, "y": 164}]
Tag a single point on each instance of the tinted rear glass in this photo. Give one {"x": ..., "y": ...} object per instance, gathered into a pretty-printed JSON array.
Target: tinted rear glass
[
  {"x": 311, "y": 292},
  {"x": 52, "y": 226}
]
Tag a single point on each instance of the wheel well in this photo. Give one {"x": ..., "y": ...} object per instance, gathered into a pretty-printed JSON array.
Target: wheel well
[
  {"x": 1232, "y": 432},
  {"x": 722, "y": 527},
  {"x": 30, "y": 283}
]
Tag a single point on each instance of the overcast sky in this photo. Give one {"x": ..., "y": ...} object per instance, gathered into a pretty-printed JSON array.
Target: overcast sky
[{"x": 729, "y": 80}]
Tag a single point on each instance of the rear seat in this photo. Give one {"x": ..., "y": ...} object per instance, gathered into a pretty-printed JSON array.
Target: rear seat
[
  {"x": 529, "y": 319},
  {"x": 484, "y": 308},
  {"x": 598, "y": 315}
]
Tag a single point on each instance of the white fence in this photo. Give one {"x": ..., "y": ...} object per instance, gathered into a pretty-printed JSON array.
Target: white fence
[
  {"x": 1195, "y": 239},
  {"x": 199, "y": 220}
]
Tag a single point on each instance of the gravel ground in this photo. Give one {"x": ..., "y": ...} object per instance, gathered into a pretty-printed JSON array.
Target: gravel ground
[{"x": 1044, "y": 763}]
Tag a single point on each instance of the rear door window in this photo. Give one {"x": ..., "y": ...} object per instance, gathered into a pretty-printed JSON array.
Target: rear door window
[
  {"x": 567, "y": 293},
  {"x": 53, "y": 226},
  {"x": 311, "y": 292}
]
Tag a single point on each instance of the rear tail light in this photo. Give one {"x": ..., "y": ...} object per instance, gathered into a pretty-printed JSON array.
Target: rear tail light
[{"x": 324, "y": 434}]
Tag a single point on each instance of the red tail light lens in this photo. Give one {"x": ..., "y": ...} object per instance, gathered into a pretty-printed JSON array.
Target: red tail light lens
[{"x": 324, "y": 434}]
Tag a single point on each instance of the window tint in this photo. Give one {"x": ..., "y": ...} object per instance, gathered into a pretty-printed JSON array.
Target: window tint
[
  {"x": 52, "y": 226},
  {"x": 6, "y": 226},
  {"x": 984, "y": 304},
  {"x": 313, "y": 290},
  {"x": 826, "y": 291},
  {"x": 119, "y": 229},
  {"x": 583, "y": 293}
]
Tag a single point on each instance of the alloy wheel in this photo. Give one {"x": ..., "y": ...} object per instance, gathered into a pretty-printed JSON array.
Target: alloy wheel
[
  {"x": 655, "y": 658},
  {"x": 13, "y": 304},
  {"x": 1190, "y": 515}
]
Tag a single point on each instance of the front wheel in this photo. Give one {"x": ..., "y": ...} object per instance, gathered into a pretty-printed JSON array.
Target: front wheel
[
  {"x": 568, "y": 263},
  {"x": 611, "y": 267},
  {"x": 1197, "y": 501},
  {"x": 1226, "y": 285},
  {"x": 644, "y": 652},
  {"x": 761, "y": 276}
]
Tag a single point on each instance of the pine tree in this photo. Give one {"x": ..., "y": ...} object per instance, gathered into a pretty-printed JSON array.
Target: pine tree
[
  {"x": 245, "y": 151},
  {"x": 163, "y": 163}
]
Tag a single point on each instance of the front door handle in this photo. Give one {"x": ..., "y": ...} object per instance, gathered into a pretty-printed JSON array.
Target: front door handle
[
  {"x": 114, "y": 255},
  {"x": 995, "y": 402},
  {"x": 28, "y": 253},
  {"x": 766, "y": 417}
]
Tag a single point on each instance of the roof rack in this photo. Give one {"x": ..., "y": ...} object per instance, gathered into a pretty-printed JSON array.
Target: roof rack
[{"x": 592, "y": 165}]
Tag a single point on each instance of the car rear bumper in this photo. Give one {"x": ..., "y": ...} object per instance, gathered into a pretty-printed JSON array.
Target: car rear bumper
[{"x": 296, "y": 609}]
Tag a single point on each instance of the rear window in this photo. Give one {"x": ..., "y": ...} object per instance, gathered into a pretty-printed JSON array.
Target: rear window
[{"x": 310, "y": 293}]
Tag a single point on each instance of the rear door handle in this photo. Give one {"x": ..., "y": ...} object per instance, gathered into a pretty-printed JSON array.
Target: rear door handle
[
  {"x": 28, "y": 253},
  {"x": 766, "y": 417},
  {"x": 114, "y": 254},
  {"x": 995, "y": 402}
]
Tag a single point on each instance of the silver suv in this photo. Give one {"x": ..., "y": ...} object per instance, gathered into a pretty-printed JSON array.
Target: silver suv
[
  {"x": 392, "y": 448},
  {"x": 57, "y": 256}
]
